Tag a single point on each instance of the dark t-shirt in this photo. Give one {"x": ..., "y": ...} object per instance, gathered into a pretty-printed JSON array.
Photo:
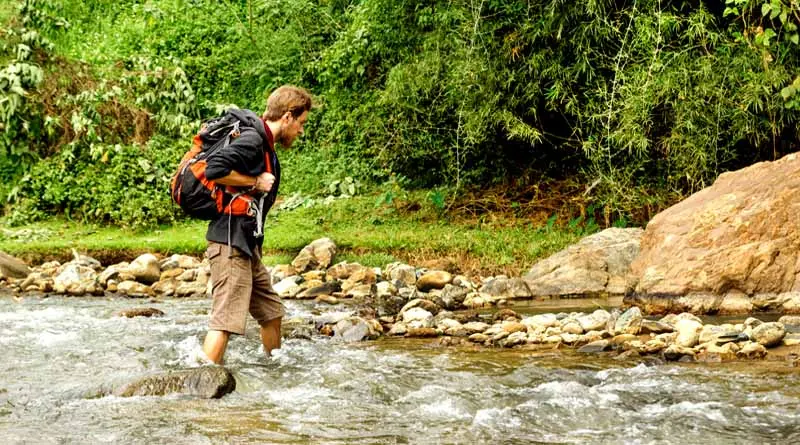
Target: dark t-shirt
[{"x": 246, "y": 155}]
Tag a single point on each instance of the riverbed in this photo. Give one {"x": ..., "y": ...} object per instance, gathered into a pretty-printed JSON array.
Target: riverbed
[{"x": 59, "y": 352}]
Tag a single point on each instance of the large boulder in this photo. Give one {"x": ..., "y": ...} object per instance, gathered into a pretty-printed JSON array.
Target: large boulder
[
  {"x": 741, "y": 236},
  {"x": 598, "y": 265},
  {"x": 316, "y": 256},
  {"x": 208, "y": 382},
  {"x": 145, "y": 269},
  {"x": 11, "y": 267}
]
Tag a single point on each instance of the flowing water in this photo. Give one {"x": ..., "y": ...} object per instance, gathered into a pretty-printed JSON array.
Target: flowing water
[{"x": 57, "y": 352}]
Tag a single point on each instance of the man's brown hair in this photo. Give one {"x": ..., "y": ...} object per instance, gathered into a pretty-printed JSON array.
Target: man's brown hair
[{"x": 287, "y": 98}]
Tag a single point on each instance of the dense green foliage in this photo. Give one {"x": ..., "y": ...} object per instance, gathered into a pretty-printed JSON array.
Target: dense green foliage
[{"x": 640, "y": 100}]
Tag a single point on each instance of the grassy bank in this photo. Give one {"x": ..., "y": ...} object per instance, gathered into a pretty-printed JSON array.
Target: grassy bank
[{"x": 367, "y": 233}]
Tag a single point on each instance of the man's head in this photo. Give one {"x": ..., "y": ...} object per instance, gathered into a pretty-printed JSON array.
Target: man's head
[{"x": 287, "y": 112}]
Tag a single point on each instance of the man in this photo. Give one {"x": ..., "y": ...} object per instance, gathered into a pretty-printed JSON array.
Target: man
[{"x": 240, "y": 282}]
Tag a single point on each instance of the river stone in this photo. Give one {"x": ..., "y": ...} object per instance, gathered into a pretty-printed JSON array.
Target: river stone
[
  {"x": 364, "y": 275},
  {"x": 791, "y": 303},
  {"x": 437, "y": 279},
  {"x": 145, "y": 269},
  {"x": 541, "y": 321},
  {"x": 452, "y": 296},
  {"x": 514, "y": 326},
  {"x": 710, "y": 332},
  {"x": 361, "y": 292},
  {"x": 168, "y": 274},
  {"x": 316, "y": 289},
  {"x": 317, "y": 255},
  {"x": 655, "y": 327},
  {"x": 421, "y": 332},
  {"x": 790, "y": 321},
  {"x": 177, "y": 261},
  {"x": 508, "y": 288},
  {"x": 514, "y": 339},
  {"x": 476, "y": 327},
  {"x": 401, "y": 272},
  {"x": 676, "y": 352},
  {"x": 688, "y": 333},
  {"x": 477, "y": 300},
  {"x": 398, "y": 328},
  {"x": 768, "y": 334},
  {"x": 74, "y": 279},
  {"x": 343, "y": 270},
  {"x": 135, "y": 289},
  {"x": 630, "y": 322},
  {"x": 595, "y": 347},
  {"x": 417, "y": 317},
  {"x": 297, "y": 328},
  {"x": 287, "y": 287},
  {"x": 595, "y": 321},
  {"x": 752, "y": 350},
  {"x": 279, "y": 272},
  {"x": 735, "y": 303},
  {"x": 428, "y": 305},
  {"x": 791, "y": 339},
  {"x": 742, "y": 233},
  {"x": 11, "y": 267},
  {"x": 598, "y": 264},
  {"x": 351, "y": 329},
  {"x": 163, "y": 287},
  {"x": 139, "y": 312},
  {"x": 208, "y": 382},
  {"x": 191, "y": 289}
]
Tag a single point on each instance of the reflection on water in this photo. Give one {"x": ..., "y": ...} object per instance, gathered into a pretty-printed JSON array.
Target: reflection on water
[{"x": 58, "y": 351}]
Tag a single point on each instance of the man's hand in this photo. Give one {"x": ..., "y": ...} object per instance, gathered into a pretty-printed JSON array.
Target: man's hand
[{"x": 264, "y": 182}]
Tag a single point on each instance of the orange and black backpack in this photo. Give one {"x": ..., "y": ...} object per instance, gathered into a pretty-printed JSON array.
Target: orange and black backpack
[{"x": 200, "y": 197}]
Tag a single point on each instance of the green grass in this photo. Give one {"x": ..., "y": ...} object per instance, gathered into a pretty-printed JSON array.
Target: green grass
[{"x": 365, "y": 233}]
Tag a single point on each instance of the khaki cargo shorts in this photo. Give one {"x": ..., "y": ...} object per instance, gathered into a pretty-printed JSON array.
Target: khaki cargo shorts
[{"x": 240, "y": 284}]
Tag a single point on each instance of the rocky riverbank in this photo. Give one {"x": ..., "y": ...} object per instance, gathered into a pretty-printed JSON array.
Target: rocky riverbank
[{"x": 402, "y": 300}]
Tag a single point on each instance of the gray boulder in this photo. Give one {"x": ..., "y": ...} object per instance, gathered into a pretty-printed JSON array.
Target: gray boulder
[
  {"x": 316, "y": 256},
  {"x": 598, "y": 265},
  {"x": 208, "y": 382}
]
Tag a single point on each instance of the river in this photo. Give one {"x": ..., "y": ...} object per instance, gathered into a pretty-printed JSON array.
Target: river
[{"x": 57, "y": 352}]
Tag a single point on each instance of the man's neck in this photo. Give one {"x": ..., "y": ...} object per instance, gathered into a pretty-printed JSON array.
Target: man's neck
[{"x": 275, "y": 128}]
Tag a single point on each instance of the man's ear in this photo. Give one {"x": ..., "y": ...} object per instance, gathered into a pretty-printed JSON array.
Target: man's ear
[{"x": 287, "y": 115}]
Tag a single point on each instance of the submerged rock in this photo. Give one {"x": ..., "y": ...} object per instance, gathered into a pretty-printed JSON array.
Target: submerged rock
[
  {"x": 139, "y": 312},
  {"x": 208, "y": 382}
]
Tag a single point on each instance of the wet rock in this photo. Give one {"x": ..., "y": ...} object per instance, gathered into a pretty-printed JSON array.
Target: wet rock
[
  {"x": 135, "y": 289},
  {"x": 179, "y": 262},
  {"x": 514, "y": 339},
  {"x": 508, "y": 288},
  {"x": 314, "y": 275},
  {"x": 688, "y": 333},
  {"x": 145, "y": 269},
  {"x": 598, "y": 264},
  {"x": 342, "y": 271},
  {"x": 351, "y": 330},
  {"x": 297, "y": 328},
  {"x": 326, "y": 288},
  {"x": 287, "y": 287},
  {"x": 422, "y": 332},
  {"x": 399, "y": 328},
  {"x": 361, "y": 292},
  {"x": 596, "y": 347},
  {"x": 434, "y": 280},
  {"x": 790, "y": 322},
  {"x": 139, "y": 312},
  {"x": 752, "y": 351},
  {"x": 595, "y": 321},
  {"x": 477, "y": 300},
  {"x": 327, "y": 299},
  {"x": 188, "y": 275},
  {"x": 281, "y": 271},
  {"x": 317, "y": 255},
  {"x": 417, "y": 317},
  {"x": 630, "y": 322},
  {"x": 388, "y": 304},
  {"x": 360, "y": 277},
  {"x": 678, "y": 353},
  {"x": 711, "y": 333},
  {"x": 571, "y": 326},
  {"x": 768, "y": 334},
  {"x": 478, "y": 338},
  {"x": 163, "y": 287},
  {"x": 11, "y": 267},
  {"x": 209, "y": 382},
  {"x": 791, "y": 340}
]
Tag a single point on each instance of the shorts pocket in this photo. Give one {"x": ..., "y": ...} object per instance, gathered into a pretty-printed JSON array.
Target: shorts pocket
[{"x": 214, "y": 250}]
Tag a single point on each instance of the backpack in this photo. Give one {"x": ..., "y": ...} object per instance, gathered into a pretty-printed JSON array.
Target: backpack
[{"x": 200, "y": 197}]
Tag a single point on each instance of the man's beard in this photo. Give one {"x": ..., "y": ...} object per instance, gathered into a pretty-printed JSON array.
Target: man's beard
[{"x": 285, "y": 142}]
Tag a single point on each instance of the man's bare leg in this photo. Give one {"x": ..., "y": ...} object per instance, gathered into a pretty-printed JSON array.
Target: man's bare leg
[
  {"x": 271, "y": 335},
  {"x": 215, "y": 344}
]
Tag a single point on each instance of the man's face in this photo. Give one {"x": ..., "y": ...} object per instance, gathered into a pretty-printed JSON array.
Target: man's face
[{"x": 291, "y": 128}]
